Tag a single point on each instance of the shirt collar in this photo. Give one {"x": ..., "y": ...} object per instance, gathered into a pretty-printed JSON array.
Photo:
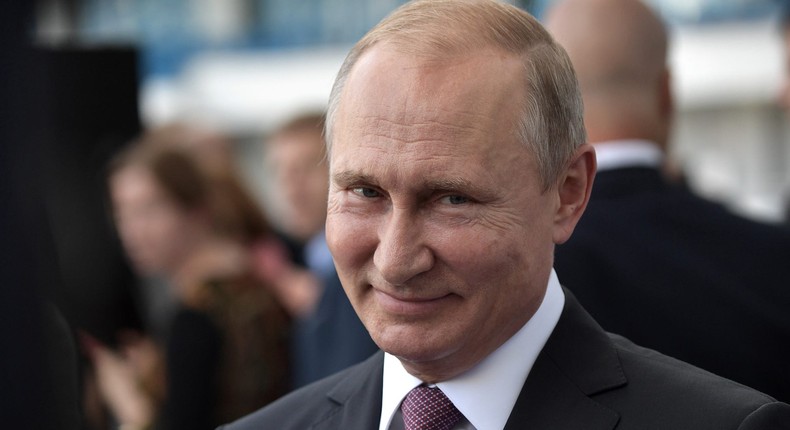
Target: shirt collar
[
  {"x": 616, "y": 154},
  {"x": 503, "y": 372}
]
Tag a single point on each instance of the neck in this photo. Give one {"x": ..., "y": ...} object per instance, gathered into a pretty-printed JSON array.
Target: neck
[{"x": 641, "y": 121}]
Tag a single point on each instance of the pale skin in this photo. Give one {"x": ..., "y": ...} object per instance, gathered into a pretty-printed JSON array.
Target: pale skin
[{"x": 442, "y": 234}]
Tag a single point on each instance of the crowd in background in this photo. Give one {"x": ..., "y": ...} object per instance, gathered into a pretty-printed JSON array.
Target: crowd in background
[
  {"x": 235, "y": 313},
  {"x": 184, "y": 218}
]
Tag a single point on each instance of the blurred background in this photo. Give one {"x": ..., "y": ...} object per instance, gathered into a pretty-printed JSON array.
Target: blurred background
[{"x": 243, "y": 66}]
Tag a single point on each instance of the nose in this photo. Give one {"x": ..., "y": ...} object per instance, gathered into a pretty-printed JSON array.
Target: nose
[{"x": 402, "y": 253}]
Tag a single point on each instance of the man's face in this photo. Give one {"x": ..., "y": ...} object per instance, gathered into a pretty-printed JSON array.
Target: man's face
[
  {"x": 784, "y": 95},
  {"x": 437, "y": 223},
  {"x": 297, "y": 162}
]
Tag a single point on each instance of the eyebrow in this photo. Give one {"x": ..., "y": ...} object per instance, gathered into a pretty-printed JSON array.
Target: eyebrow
[
  {"x": 462, "y": 185},
  {"x": 450, "y": 184},
  {"x": 346, "y": 178}
]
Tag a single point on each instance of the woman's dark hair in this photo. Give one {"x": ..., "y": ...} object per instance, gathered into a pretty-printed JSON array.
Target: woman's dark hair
[{"x": 231, "y": 208}]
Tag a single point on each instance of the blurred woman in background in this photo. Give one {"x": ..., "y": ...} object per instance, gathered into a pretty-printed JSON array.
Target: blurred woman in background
[{"x": 225, "y": 352}]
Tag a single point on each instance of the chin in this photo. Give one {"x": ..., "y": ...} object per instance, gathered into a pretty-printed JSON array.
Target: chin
[{"x": 415, "y": 346}]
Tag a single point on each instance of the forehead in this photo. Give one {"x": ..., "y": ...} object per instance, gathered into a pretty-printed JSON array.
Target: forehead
[
  {"x": 432, "y": 116},
  {"x": 131, "y": 174},
  {"x": 390, "y": 93},
  {"x": 131, "y": 183},
  {"x": 418, "y": 86}
]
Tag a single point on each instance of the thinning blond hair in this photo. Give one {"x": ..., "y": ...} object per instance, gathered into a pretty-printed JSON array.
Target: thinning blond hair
[{"x": 552, "y": 122}]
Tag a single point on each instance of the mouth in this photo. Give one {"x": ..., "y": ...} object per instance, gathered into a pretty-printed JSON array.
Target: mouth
[{"x": 400, "y": 304}]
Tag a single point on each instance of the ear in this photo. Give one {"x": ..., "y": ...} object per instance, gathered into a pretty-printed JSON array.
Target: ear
[{"x": 573, "y": 190}]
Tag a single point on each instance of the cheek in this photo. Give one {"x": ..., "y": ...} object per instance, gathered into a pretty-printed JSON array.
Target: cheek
[
  {"x": 478, "y": 257},
  {"x": 319, "y": 181},
  {"x": 318, "y": 195},
  {"x": 166, "y": 234},
  {"x": 477, "y": 252},
  {"x": 166, "y": 228},
  {"x": 139, "y": 233},
  {"x": 158, "y": 244},
  {"x": 351, "y": 240}
]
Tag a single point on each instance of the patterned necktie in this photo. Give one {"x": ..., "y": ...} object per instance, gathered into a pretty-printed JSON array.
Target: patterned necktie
[{"x": 426, "y": 408}]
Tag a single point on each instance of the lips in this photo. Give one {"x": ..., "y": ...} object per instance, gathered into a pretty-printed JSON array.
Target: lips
[{"x": 399, "y": 304}]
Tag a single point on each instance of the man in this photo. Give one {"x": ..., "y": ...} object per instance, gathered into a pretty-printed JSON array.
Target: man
[
  {"x": 295, "y": 159},
  {"x": 457, "y": 162},
  {"x": 327, "y": 335},
  {"x": 784, "y": 95},
  {"x": 650, "y": 260}
]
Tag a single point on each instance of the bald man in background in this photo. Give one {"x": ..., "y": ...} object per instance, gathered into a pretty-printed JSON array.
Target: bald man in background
[{"x": 649, "y": 259}]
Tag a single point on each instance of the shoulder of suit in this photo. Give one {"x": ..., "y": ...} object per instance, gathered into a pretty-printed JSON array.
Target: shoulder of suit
[
  {"x": 298, "y": 409},
  {"x": 301, "y": 408},
  {"x": 680, "y": 387}
]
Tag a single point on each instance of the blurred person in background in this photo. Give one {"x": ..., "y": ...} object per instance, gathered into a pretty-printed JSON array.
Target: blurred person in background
[
  {"x": 213, "y": 150},
  {"x": 225, "y": 352},
  {"x": 650, "y": 260},
  {"x": 328, "y": 335},
  {"x": 784, "y": 94}
]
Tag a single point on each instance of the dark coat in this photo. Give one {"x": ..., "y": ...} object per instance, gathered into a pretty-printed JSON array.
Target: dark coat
[
  {"x": 676, "y": 273},
  {"x": 331, "y": 338}
]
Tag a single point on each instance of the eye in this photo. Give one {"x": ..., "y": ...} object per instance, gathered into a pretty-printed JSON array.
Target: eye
[
  {"x": 455, "y": 200},
  {"x": 365, "y": 192}
]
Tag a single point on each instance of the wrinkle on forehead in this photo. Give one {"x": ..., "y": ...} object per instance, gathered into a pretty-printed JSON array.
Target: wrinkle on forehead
[
  {"x": 421, "y": 82},
  {"x": 419, "y": 130},
  {"x": 395, "y": 104}
]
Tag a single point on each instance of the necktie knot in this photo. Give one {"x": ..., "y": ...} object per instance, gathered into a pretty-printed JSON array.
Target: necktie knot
[{"x": 426, "y": 408}]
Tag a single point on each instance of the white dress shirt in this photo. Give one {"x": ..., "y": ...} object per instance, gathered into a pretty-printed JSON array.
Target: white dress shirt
[
  {"x": 486, "y": 393},
  {"x": 615, "y": 154}
]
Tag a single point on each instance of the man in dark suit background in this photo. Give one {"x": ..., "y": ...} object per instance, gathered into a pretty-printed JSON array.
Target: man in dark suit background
[
  {"x": 457, "y": 160},
  {"x": 650, "y": 260}
]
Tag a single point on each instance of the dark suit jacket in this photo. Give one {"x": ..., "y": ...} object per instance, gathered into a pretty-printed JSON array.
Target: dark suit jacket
[
  {"x": 331, "y": 338},
  {"x": 679, "y": 274},
  {"x": 583, "y": 379}
]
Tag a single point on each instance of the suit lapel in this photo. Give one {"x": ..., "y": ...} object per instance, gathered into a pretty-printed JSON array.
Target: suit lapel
[
  {"x": 577, "y": 362},
  {"x": 357, "y": 398}
]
